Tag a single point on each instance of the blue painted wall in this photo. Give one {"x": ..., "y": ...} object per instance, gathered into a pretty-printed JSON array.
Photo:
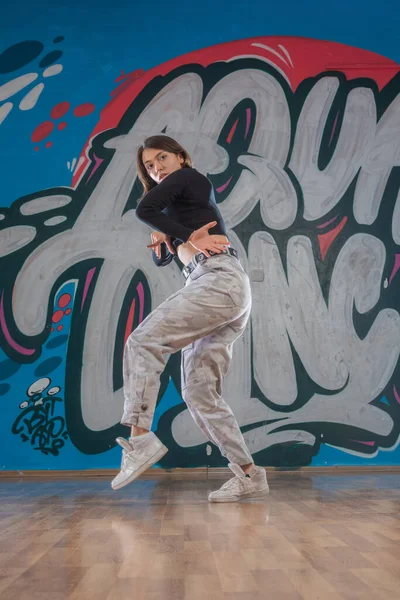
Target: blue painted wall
[{"x": 43, "y": 425}]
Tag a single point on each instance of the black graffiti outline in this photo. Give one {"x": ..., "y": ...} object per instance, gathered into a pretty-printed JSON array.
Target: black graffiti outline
[
  {"x": 42, "y": 426},
  {"x": 95, "y": 442}
]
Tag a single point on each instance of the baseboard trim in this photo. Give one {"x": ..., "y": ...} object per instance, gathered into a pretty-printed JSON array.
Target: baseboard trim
[{"x": 199, "y": 472}]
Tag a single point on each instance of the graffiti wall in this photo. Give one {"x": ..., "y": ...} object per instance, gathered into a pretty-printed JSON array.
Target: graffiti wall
[{"x": 301, "y": 139}]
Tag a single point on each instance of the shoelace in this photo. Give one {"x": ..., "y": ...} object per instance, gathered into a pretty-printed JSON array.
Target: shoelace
[
  {"x": 235, "y": 482},
  {"x": 126, "y": 459}
]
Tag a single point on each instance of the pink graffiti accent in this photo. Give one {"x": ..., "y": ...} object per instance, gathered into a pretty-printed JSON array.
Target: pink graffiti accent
[
  {"x": 7, "y": 334},
  {"x": 140, "y": 291},
  {"x": 326, "y": 223},
  {"x": 129, "y": 321},
  {"x": 223, "y": 187},
  {"x": 89, "y": 278},
  {"x": 97, "y": 163},
  {"x": 326, "y": 239},
  {"x": 365, "y": 443},
  {"x": 248, "y": 121},
  {"x": 396, "y": 267},
  {"x": 334, "y": 127},
  {"x": 396, "y": 394},
  {"x": 232, "y": 131},
  {"x": 131, "y": 314}
]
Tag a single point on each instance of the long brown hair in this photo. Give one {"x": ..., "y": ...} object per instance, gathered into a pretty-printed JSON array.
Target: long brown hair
[{"x": 158, "y": 142}]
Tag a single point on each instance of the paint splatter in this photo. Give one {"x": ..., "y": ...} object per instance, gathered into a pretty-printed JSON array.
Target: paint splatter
[
  {"x": 64, "y": 300},
  {"x": 50, "y": 58},
  {"x": 84, "y": 109},
  {"x": 59, "y": 110},
  {"x": 42, "y": 131},
  {"x": 57, "y": 316},
  {"x": 19, "y": 55}
]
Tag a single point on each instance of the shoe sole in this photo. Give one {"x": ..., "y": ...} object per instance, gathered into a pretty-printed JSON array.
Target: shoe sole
[
  {"x": 151, "y": 461},
  {"x": 250, "y": 496}
]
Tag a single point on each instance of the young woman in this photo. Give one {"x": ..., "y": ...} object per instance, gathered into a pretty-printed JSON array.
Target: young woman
[{"x": 203, "y": 320}]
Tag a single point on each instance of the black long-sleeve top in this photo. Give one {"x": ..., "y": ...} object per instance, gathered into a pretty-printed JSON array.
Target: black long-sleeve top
[{"x": 179, "y": 204}]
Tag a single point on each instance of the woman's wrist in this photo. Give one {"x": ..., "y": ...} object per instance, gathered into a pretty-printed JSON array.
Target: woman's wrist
[{"x": 189, "y": 240}]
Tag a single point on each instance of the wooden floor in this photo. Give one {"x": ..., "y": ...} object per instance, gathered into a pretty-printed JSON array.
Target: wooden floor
[{"x": 316, "y": 536}]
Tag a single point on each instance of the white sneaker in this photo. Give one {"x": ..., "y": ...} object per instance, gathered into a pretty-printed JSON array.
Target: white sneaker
[
  {"x": 242, "y": 487},
  {"x": 137, "y": 458}
]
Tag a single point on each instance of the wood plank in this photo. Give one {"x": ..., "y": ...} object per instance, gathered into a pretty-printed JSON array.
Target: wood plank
[{"x": 316, "y": 536}]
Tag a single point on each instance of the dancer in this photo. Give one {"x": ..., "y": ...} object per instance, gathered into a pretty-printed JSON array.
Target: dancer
[{"x": 203, "y": 319}]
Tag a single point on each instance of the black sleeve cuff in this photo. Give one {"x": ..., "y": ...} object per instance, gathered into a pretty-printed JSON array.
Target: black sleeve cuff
[{"x": 165, "y": 258}]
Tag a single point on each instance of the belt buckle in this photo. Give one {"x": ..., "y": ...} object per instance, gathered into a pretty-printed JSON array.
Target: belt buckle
[{"x": 200, "y": 257}]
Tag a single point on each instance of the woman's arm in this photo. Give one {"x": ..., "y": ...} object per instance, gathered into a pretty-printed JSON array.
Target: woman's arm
[
  {"x": 163, "y": 195},
  {"x": 165, "y": 256}
]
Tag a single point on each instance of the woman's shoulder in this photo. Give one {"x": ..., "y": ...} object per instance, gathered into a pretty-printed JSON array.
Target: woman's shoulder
[
  {"x": 183, "y": 179},
  {"x": 190, "y": 174}
]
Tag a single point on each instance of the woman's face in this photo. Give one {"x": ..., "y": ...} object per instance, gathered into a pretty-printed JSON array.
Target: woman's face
[{"x": 160, "y": 163}]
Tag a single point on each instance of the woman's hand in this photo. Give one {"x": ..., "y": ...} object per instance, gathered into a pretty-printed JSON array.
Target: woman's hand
[
  {"x": 158, "y": 238},
  {"x": 204, "y": 242}
]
